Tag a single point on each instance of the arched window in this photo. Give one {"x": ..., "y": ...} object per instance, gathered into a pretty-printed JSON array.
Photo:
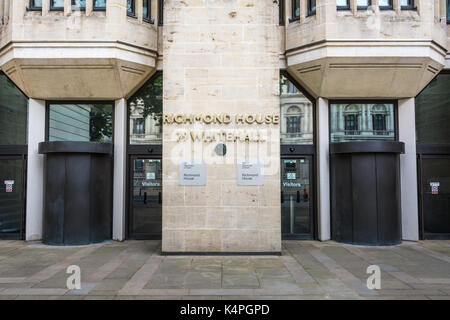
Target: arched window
[{"x": 145, "y": 113}]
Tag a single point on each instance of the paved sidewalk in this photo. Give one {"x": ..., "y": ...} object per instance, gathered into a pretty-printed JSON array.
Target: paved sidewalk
[{"x": 306, "y": 270}]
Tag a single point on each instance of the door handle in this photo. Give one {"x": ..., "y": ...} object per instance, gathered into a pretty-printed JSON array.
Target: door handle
[
  {"x": 298, "y": 196},
  {"x": 159, "y": 197},
  {"x": 282, "y": 197},
  {"x": 145, "y": 197}
]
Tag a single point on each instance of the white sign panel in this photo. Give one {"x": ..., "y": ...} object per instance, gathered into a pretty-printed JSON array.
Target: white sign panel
[
  {"x": 192, "y": 173},
  {"x": 9, "y": 185},
  {"x": 250, "y": 174}
]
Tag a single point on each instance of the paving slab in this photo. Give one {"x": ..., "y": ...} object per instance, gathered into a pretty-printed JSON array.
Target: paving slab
[{"x": 306, "y": 270}]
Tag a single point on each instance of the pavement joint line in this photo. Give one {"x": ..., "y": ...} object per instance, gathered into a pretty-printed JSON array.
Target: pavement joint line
[
  {"x": 391, "y": 270},
  {"x": 12, "y": 280},
  {"x": 52, "y": 270},
  {"x": 340, "y": 272},
  {"x": 33, "y": 291},
  {"x": 143, "y": 275},
  {"x": 110, "y": 266},
  {"x": 431, "y": 253}
]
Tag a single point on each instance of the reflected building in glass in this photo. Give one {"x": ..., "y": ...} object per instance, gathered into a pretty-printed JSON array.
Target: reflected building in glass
[{"x": 297, "y": 122}]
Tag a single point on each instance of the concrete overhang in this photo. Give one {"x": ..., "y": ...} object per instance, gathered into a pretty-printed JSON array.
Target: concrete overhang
[
  {"x": 106, "y": 70},
  {"x": 366, "y": 69}
]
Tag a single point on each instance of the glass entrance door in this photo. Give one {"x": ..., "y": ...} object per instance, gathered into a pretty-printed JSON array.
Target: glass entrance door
[
  {"x": 12, "y": 197},
  {"x": 296, "y": 198},
  {"x": 145, "y": 215},
  {"x": 435, "y": 192}
]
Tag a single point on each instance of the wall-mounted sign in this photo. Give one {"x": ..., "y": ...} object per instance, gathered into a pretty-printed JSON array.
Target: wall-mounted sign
[
  {"x": 245, "y": 129},
  {"x": 291, "y": 175},
  {"x": 9, "y": 185},
  {"x": 434, "y": 187},
  {"x": 250, "y": 174},
  {"x": 192, "y": 173},
  {"x": 151, "y": 176}
]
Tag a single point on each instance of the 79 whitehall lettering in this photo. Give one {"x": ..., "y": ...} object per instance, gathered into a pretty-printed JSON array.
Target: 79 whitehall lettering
[{"x": 231, "y": 309}]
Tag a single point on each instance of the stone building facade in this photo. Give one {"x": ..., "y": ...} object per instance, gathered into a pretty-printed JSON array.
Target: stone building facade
[{"x": 224, "y": 126}]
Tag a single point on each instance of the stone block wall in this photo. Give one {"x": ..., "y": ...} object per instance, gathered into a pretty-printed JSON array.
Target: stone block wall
[{"x": 221, "y": 56}]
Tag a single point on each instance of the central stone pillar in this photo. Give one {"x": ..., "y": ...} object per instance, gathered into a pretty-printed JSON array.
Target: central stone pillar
[{"x": 221, "y": 87}]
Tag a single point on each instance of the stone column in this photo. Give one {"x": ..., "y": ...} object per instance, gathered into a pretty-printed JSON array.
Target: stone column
[
  {"x": 323, "y": 170},
  {"x": 120, "y": 153},
  {"x": 221, "y": 57},
  {"x": 35, "y": 170},
  {"x": 408, "y": 169}
]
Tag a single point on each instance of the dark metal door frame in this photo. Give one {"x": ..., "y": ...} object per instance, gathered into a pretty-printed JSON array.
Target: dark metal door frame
[
  {"x": 129, "y": 233},
  {"x": 23, "y": 158},
  {"x": 312, "y": 201},
  {"x": 420, "y": 179}
]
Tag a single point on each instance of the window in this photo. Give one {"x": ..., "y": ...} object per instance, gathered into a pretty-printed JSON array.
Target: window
[
  {"x": 297, "y": 120},
  {"x": 363, "y": 4},
  {"x": 362, "y": 122},
  {"x": 161, "y": 12},
  {"x": 379, "y": 124},
  {"x": 293, "y": 124},
  {"x": 79, "y": 4},
  {"x": 100, "y": 5},
  {"x": 139, "y": 126},
  {"x": 385, "y": 4},
  {"x": 281, "y": 10},
  {"x": 311, "y": 7},
  {"x": 407, "y": 4},
  {"x": 131, "y": 10},
  {"x": 295, "y": 9},
  {"x": 57, "y": 5},
  {"x": 81, "y": 122},
  {"x": 351, "y": 124},
  {"x": 145, "y": 113},
  {"x": 448, "y": 11},
  {"x": 13, "y": 113},
  {"x": 432, "y": 116},
  {"x": 343, "y": 4},
  {"x": 35, "y": 5},
  {"x": 147, "y": 11}
]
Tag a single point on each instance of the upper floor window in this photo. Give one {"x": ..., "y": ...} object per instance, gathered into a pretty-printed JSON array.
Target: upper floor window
[
  {"x": 281, "y": 12},
  {"x": 385, "y": 4},
  {"x": 131, "y": 8},
  {"x": 79, "y": 4},
  {"x": 311, "y": 7},
  {"x": 407, "y": 4},
  {"x": 343, "y": 4},
  {"x": 161, "y": 12},
  {"x": 363, "y": 4},
  {"x": 35, "y": 5},
  {"x": 448, "y": 11},
  {"x": 57, "y": 4},
  {"x": 99, "y": 4},
  {"x": 295, "y": 9},
  {"x": 147, "y": 11}
]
